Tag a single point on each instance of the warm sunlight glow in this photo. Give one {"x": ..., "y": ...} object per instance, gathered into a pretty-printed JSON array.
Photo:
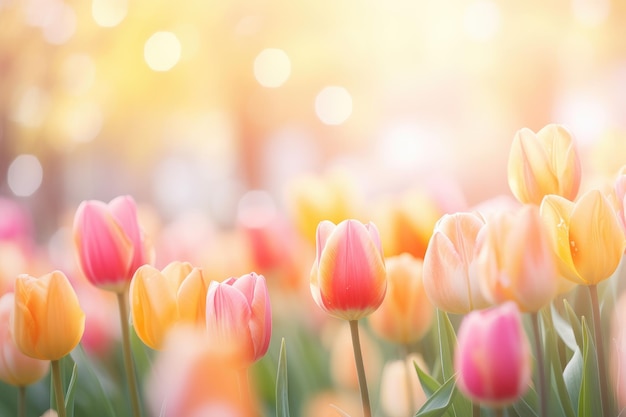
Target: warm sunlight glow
[{"x": 162, "y": 51}]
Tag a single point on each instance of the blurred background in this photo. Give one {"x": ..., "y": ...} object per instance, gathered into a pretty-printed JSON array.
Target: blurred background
[
  {"x": 191, "y": 104},
  {"x": 238, "y": 125}
]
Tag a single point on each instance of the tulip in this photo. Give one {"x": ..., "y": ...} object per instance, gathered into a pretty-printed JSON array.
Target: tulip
[
  {"x": 161, "y": 299},
  {"x": 109, "y": 242},
  {"x": 348, "y": 278},
  {"x": 515, "y": 261},
  {"x": 406, "y": 223},
  {"x": 586, "y": 236},
  {"x": 333, "y": 196},
  {"x": 543, "y": 163},
  {"x": 239, "y": 317},
  {"x": 16, "y": 368},
  {"x": 190, "y": 379},
  {"x": 492, "y": 359},
  {"x": 449, "y": 274},
  {"x": 406, "y": 313},
  {"x": 47, "y": 319}
]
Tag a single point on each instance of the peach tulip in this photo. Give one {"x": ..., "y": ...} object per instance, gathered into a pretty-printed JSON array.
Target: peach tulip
[
  {"x": 239, "y": 316},
  {"x": 47, "y": 319},
  {"x": 16, "y": 368},
  {"x": 585, "y": 235},
  {"x": 449, "y": 274},
  {"x": 109, "y": 242},
  {"x": 406, "y": 313},
  {"x": 161, "y": 299},
  {"x": 190, "y": 379},
  {"x": 492, "y": 360},
  {"x": 543, "y": 163},
  {"x": 515, "y": 261},
  {"x": 348, "y": 278}
]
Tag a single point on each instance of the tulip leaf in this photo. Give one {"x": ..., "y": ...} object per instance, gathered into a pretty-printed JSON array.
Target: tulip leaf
[
  {"x": 282, "y": 392},
  {"x": 527, "y": 405},
  {"x": 71, "y": 391},
  {"x": 589, "y": 400},
  {"x": 572, "y": 375},
  {"x": 429, "y": 384},
  {"x": 89, "y": 378},
  {"x": 339, "y": 410},
  {"x": 574, "y": 323},
  {"x": 438, "y": 403},
  {"x": 563, "y": 329}
]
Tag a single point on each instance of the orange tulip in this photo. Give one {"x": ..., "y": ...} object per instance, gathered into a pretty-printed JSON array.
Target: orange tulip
[
  {"x": 15, "y": 367},
  {"x": 348, "y": 278},
  {"x": 449, "y": 275},
  {"x": 543, "y": 163},
  {"x": 161, "y": 299},
  {"x": 586, "y": 236},
  {"x": 515, "y": 261},
  {"x": 109, "y": 242},
  {"x": 406, "y": 313},
  {"x": 47, "y": 319},
  {"x": 239, "y": 316},
  {"x": 492, "y": 358}
]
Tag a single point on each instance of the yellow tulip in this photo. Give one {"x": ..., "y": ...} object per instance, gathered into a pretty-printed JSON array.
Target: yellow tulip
[
  {"x": 586, "y": 236},
  {"x": 47, "y": 319},
  {"x": 161, "y": 299},
  {"x": 543, "y": 163}
]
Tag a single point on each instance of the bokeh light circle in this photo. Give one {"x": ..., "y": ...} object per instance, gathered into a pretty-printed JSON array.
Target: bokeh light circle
[
  {"x": 162, "y": 51},
  {"x": 272, "y": 67},
  {"x": 333, "y": 105},
  {"x": 24, "y": 175}
]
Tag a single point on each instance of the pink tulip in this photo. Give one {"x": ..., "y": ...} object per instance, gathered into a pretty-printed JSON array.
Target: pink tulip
[
  {"x": 15, "y": 367},
  {"x": 492, "y": 359},
  {"x": 109, "y": 242},
  {"x": 239, "y": 316},
  {"x": 348, "y": 278}
]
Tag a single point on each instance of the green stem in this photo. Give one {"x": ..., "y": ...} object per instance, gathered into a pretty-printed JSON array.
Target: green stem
[
  {"x": 128, "y": 359},
  {"x": 58, "y": 387},
  {"x": 597, "y": 332},
  {"x": 244, "y": 388},
  {"x": 358, "y": 358},
  {"x": 498, "y": 412},
  {"x": 407, "y": 379},
  {"x": 543, "y": 392},
  {"x": 21, "y": 401},
  {"x": 475, "y": 410}
]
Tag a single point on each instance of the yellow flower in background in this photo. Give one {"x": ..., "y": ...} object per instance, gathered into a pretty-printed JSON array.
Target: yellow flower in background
[
  {"x": 406, "y": 312},
  {"x": 543, "y": 163},
  {"x": 314, "y": 198},
  {"x": 47, "y": 319},
  {"x": 515, "y": 261},
  {"x": 586, "y": 236},
  {"x": 161, "y": 299}
]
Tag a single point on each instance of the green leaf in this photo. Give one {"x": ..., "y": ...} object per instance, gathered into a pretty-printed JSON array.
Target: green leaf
[
  {"x": 572, "y": 317},
  {"x": 429, "y": 384},
  {"x": 563, "y": 329},
  {"x": 528, "y": 404},
  {"x": 589, "y": 400},
  {"x": 71, "y": 390},
  {"x": 573, "y": 375},
  {"x": 282, "y": 391},
  {"x": 90, "y": 378},
  {"x": 438, "y": 403}
]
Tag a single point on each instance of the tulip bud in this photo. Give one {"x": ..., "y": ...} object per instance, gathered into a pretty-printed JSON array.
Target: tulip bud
[
  {"x": 586, "y": 236},
  {"x": 109, "y": 242},
  {"x": 239, "y": 317},
  {"x": 515, "y": 261},
  {"x": 15, "y": 367},
  {"x": 348, "y": 278},
  {"x": 47, "y": 319},
  {"x": 492, "y": 359},
  {"x": 449, "y": 272},
  {"x": 543, "y": 163},
  {"x": 161, "y": 299},
  {"x": 406, "y": 313}
]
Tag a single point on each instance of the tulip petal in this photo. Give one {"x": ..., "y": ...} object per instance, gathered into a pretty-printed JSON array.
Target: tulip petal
[{"x": 192, "y": 297}]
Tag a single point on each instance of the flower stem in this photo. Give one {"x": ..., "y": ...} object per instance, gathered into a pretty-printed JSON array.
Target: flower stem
[
  {"x": 58, "y": 387},
  {"x": 128, "y": 359},
  {"x": 358, "y": 358},
  {"x": 21, "y": 401},
  {"x": 498, "y": 412},
  {"x": 475, "y": 410},
  {"x": 408, "y": 369},
  {"x": 597, "y": 332},
  {"x": 543, "y": 392}
]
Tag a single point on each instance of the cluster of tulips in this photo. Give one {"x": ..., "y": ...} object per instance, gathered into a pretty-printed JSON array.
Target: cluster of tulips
[{"x": 503, "y": 281}]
